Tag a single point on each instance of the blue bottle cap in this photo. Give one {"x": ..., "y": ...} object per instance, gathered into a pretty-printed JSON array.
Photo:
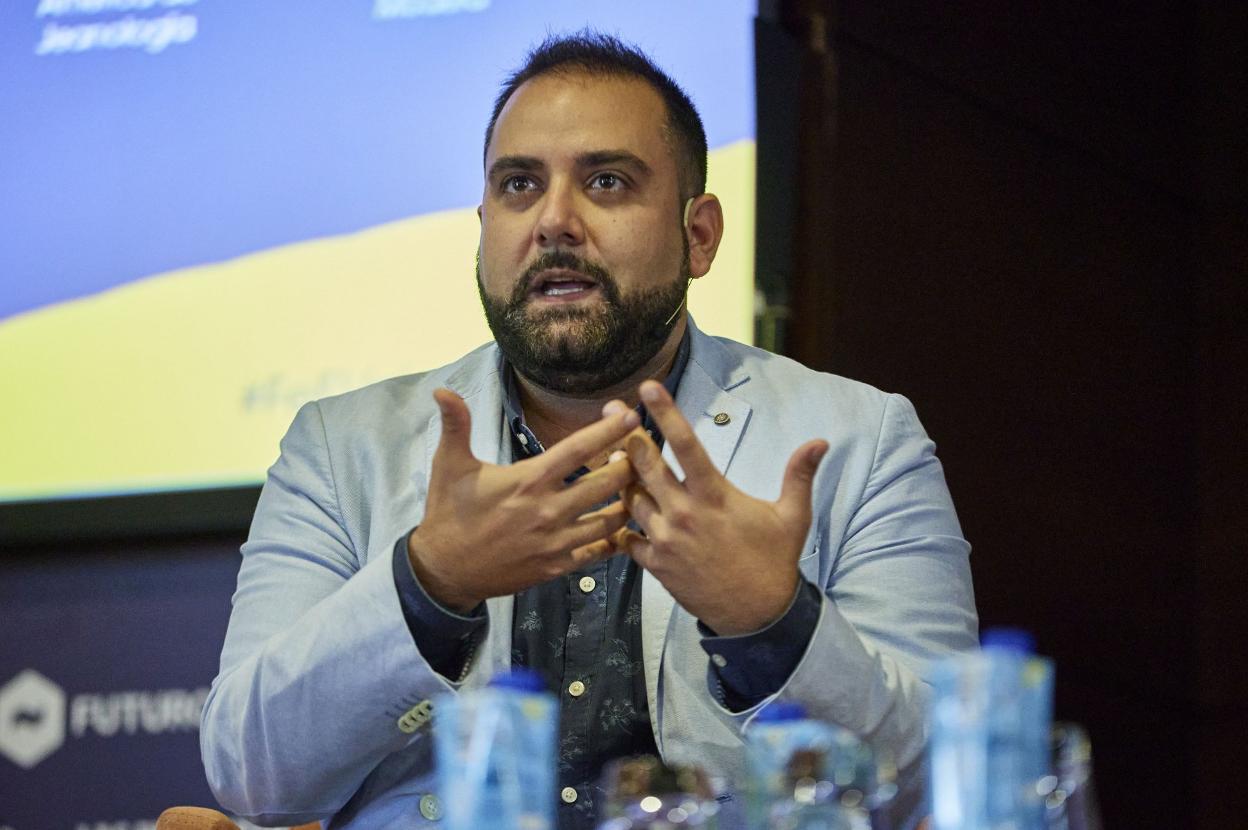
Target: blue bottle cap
[
  {"x": 780, "y": 710},
  {"x": 522, "y": 680},
  {"x": 1009, "y": 639}
]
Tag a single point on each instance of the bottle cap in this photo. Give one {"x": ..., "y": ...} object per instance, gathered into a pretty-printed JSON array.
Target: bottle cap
[
  {"x": 522, "y": 680},
  {"x": 1009, "y": 639},
  {"x": 780, "y": 710}
]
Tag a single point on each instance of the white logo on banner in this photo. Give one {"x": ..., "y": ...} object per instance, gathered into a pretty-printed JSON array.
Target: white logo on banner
[
  {"x": 33, "y": 715},
  {"x": 32, "y": 718}
]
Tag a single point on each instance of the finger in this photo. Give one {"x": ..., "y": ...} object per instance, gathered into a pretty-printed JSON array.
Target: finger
[
  {"x": 454, "y": 445},
  {"x": 592, "y": 526},
  {"x": 700, "y": 472},
  {"x": 651, "y": 469},
  {"x": 593, "y": 552},
  {"x": 626, "y": 537},
  {"x": 641, "y": 506},
  {"x": 799, "y": 478},
  {"x": 638, "y": 547},
  {"x": 618, "y": 542},
  {"x": 592, "y": 488},
  {"x": 601, "y": 549},
  {"x": 570, "y": 454},
  {"x": 614, "y": 407}
]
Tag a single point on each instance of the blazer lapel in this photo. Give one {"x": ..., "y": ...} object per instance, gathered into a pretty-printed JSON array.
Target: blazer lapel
[
  {"x": 480, "y": 388},
  {"x": 718, "y": 419}
]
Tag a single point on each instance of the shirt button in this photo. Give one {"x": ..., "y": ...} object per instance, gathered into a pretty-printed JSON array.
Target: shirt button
[
  {"x": 719, "y": 660},
  {"x": 588, "y": 583},
  {"x": 568, "y": 794},
  {"x": 576, "y": 688},
  {"x": 430, "y": 807}
]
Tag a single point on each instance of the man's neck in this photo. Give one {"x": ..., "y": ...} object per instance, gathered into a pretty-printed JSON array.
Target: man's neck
[{"x": 553, "y": 416}]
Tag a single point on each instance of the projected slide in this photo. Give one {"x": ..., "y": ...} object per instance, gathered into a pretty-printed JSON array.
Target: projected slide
[{"x": 212, "y": 211}]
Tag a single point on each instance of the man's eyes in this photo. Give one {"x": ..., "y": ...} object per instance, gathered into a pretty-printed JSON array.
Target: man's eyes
[
  {"x": 606, "y": 181},
  {"x": 517, "y": 184}
]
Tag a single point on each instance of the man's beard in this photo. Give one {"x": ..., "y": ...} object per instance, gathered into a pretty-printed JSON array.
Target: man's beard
[{"x": 603, "y": 346}]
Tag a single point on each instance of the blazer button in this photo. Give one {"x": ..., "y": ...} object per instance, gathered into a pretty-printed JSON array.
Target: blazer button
[
  {"x": 416, "y": 717},
  {"x": 430, "y": 807}
]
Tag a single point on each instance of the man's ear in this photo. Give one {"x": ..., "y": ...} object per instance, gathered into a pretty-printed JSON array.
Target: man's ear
[
  {"x": 704, "y": 227},
  {"x": 478, "y": 213}
]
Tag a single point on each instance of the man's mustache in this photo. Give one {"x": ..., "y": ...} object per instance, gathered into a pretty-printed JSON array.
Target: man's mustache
[{"x": 565, "y": 261}]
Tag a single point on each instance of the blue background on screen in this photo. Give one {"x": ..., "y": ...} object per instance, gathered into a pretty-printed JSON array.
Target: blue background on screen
[{"x": 284, "y": 121}]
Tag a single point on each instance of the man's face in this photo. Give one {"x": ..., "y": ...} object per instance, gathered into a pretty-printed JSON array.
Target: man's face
[{"x": 583, "y": 257}]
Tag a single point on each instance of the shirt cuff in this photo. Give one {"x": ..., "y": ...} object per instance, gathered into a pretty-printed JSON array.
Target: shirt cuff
[
  {"x": 446, "y": 640},
  {"x": 748, "y": 668}
]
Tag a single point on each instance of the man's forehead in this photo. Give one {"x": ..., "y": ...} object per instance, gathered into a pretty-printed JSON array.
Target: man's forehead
[{"x": 598, "y": 110}]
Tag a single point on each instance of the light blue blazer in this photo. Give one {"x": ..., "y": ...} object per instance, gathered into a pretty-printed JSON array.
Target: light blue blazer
[{"x": 320, "y": 708}]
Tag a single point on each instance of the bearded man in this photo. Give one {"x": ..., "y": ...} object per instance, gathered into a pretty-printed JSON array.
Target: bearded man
[{"x": 421, "y": 534}]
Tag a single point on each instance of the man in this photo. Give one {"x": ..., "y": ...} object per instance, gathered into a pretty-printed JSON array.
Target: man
[{"x": 421, "y": 534}]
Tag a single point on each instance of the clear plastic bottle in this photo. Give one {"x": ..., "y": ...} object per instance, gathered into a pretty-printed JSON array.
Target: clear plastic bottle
[
  {"x": 782, "y": 736},
  {"x": 496, "y": 755},
  {"x": 811, "y": 800},
  {"x": 990, "y": 718},
  {"x": 1070, "y": 797}
]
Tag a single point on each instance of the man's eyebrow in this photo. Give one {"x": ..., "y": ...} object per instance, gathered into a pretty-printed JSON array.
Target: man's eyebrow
[
  {"x": 599, "y": 158},
  {"x": 525, "y": 164}
]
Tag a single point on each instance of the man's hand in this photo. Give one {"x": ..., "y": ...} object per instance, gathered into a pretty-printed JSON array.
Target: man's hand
[
  {"x": 490, "y": 530},
  {"x": 728, "y": 558}
]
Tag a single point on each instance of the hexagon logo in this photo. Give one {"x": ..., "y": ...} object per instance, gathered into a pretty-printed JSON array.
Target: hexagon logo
[{"x": 32, "y": 718}]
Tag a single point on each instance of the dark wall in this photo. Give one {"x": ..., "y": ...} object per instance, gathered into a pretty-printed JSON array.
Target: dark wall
[{"x": 1031, "y": 221}]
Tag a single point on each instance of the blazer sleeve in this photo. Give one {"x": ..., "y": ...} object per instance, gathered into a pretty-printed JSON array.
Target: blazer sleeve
[
  {"x": 898, "y": 595},
  {"x": 320, "y": 679}
]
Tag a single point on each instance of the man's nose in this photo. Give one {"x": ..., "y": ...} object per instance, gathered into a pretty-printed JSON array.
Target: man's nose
[{"x": 559, "y": 220}]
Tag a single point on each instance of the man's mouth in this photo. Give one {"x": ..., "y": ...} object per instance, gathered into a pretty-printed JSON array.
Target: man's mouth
[{"x": 561, "y": 284}]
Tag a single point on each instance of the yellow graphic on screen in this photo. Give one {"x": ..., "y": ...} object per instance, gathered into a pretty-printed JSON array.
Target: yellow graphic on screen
[{"x": 189, "y": 378}]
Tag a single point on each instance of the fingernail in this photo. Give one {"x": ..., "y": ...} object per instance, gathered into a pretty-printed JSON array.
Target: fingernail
[
  {"x": 636, "y": 445},
  {"x": 632, "y": 419},
  {"x": 650, "y": 391},
  {"x": 618, "y": 455},
  {"x": 612, "y": 408}
]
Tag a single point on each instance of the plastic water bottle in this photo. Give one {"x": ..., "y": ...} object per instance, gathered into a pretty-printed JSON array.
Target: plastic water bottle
[
  {"x": 1070, "y": 797},
  {"x": 801, "y": 771},
  {"x": 810, "y": 801},
  {"x": 496, "y": 755},
  {"x": 989, "y": 743}
]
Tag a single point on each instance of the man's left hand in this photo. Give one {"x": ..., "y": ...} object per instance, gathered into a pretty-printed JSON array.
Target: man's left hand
[{"x": 728, "y": 558}]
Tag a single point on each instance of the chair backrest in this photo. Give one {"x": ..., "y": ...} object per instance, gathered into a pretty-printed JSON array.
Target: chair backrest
[
  {"x": 194, "y": 818},
  {"x": 202, "y": 818}
]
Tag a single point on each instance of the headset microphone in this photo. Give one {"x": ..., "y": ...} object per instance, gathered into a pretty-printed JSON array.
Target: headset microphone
[{"x": 685, "y": 230}]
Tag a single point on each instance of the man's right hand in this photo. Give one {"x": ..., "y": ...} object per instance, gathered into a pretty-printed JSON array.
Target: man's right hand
[{"x": 494, "y": 530}]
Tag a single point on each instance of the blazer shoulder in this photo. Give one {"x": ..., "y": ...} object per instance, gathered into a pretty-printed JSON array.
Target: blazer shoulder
[
  {"x": 766, "y": 377},
  {"x": 407, "y": 399}
]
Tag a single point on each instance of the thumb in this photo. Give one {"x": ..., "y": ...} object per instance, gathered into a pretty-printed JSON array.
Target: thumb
[
  {"x": 454, "y": 445},
  {"x": 799, "y": 479}
]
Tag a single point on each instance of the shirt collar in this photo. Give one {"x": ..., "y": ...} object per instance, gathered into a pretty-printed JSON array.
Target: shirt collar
[{"x": 524, "y": 436}]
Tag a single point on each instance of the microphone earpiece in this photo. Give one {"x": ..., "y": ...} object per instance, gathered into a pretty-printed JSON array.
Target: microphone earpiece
[{"x": 685, "y": 228}]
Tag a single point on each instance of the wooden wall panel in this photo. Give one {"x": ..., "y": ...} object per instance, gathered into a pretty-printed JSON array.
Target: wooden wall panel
[{"x": 1030, "y": 221}]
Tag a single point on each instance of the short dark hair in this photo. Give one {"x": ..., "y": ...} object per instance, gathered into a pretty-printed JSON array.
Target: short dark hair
[{"x": 595, "y": 53}]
